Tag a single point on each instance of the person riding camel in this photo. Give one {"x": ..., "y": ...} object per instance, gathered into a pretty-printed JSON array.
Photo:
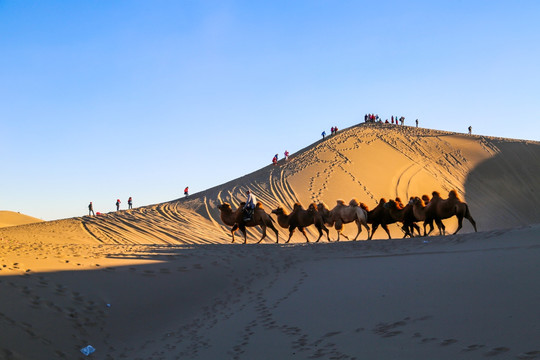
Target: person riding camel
[{"x": 249, "y": 207}]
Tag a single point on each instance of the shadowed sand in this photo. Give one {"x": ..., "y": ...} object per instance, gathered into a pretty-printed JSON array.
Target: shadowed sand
[{"x": 163, "y": 282}]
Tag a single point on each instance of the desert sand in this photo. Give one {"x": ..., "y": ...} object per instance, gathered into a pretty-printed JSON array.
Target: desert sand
[
  {"x": 11, "y": 218},
  {"x": 164, "y": 281}
]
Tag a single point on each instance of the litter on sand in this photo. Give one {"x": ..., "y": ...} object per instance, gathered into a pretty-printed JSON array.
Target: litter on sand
[{"x": 88, "y": 350}]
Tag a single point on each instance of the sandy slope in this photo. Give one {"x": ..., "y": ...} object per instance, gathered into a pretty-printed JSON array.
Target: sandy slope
[
  {"x": 10, "y": 218},
  {"x": 178, "y": 290}
]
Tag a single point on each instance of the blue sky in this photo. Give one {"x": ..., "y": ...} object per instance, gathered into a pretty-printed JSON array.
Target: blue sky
[{"x": 102, "y": 100}]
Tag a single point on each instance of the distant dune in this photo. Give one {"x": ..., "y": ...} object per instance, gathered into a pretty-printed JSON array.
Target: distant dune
[
  {"x": 164, "y": 282},
  {"x": 10, "y": 218}
]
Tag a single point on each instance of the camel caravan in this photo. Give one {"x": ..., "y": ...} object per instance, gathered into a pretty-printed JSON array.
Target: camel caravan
[{"x": 422, "y": 209}]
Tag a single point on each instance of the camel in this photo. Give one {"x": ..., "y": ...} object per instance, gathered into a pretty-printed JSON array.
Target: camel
[
  {"x": 419, "y": 211},
  {"x": 236, "y": 220},
  {"x": 405, "y": 215},
  {"x": 300, "y": 218},
  {"x": 380, "y": 216},
  {"x": 343, "y": 214},
  {"x": 439, "y": 209}
]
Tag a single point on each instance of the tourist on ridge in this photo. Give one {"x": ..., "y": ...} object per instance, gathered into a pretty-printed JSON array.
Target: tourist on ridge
[
  {"x": 286, "y": 153},
  {"x": 91, "y": 209},
  {"x": 186, "y": 191},
  {"x": 118, "y": 204},
  {"x": 130, "y": 203},
  {"x": 323, "y": 134},
  {"x": 416, "y": 122},
  {"x": 470, "y": 130}
]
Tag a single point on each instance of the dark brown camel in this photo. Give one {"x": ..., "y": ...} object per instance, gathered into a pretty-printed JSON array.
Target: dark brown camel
[
  {"x": 419, "y": 212},
  {"x": 405, "y": 215},
  {"x": 343, "y": 214},
  {"x": 236, "y": 220},
  {"x": 380, "y": 216},
  {"x": 439, "y": 209},
  {"x": 300, "y": 218}
]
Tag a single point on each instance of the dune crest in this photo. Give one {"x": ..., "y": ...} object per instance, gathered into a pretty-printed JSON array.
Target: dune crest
[{"x": 367, "y": 162}]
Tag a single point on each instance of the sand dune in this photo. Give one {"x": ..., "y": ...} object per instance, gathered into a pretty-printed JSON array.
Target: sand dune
[
  {"x": 10, "y": 218},
  {"x": 162, "y": 281}
]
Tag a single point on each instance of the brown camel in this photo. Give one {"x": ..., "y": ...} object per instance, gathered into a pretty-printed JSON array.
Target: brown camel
[
  {"x": 300, "y": 218},
  {"x": 419, "y": 212},
  {"x": 405, "y": 215},
  {"x": 343, "y": 214},
  {"x": 380, "y": 216},
  {"x": 236, "y": 220},
  {"x": 439, "y": 209}
]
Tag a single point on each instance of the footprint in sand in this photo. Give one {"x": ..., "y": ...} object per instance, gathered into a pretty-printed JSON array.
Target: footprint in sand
[
  {"x": 473, "y": 347},
  {"x": 497, "y": 351},
  {"x": 448, "y": 342},
  {"x": 529, "y": 355}
]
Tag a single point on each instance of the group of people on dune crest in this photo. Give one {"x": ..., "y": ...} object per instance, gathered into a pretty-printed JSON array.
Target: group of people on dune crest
[{"x": 428, "y": 210}]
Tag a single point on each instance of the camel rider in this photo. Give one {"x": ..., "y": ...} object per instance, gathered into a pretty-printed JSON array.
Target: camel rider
[{"x": 249, "y": 206}]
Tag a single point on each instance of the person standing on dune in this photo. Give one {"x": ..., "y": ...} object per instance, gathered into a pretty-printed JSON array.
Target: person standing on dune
[
  {"x": 130, "y": 203},
  {"x": 470, "y": 130},
  {"x": 117, "y": 204},
  {"x": 186, "y": 191},
  {"x": 286, "y": 153},
  {"x": 91, "y": 209}
]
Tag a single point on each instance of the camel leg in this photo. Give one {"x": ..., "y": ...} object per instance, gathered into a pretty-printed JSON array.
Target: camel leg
[
  {"x": 415, "y": 226},
  {"x": 233, "y": 230},
  {"x": 327, "y": 232},
  {"x": 471, "y": 220},
  {"x": 430, "y": 223},
  {"x": 440, "y": 225},
  {"x": 319, "y": 228},
  {"x": 460, "y": 224},
  {"x": 385, "y": 227},
  {"x": 243, "y": 230},
  {"x": 271, "y": 226},
  {"x": 359, "y": 229},
  {"x": 367, "y": 229},
  {"x": 301, "y": 229},
  {"x": 263, "y": 234},
  {"x": 373, "y": 229},
  {"x": 291, "y": 231}
]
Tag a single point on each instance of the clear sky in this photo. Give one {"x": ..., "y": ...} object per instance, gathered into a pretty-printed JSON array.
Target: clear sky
[{"x": 102, "y": 100}]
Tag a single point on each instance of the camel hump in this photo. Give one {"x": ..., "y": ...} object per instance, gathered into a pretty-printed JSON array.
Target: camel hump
[
  {"x": 382, "y": 201},
  {"x": 364, "y": 206},
  {"x": 435, "y": 194},
  {"x": 259, "y": 205},
  {"x": 453, "y": 194},
  {"x": 340, "y": 202},
  {"x": 353, "y": 202}
]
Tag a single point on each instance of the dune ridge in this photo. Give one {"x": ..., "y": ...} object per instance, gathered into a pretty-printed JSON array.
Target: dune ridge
[{"x": 163, "y": 281}]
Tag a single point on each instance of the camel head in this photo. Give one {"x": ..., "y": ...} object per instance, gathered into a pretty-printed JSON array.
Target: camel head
[
  {"x": 224, "y": 207},
  {"x": 279, "y": 211}
]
